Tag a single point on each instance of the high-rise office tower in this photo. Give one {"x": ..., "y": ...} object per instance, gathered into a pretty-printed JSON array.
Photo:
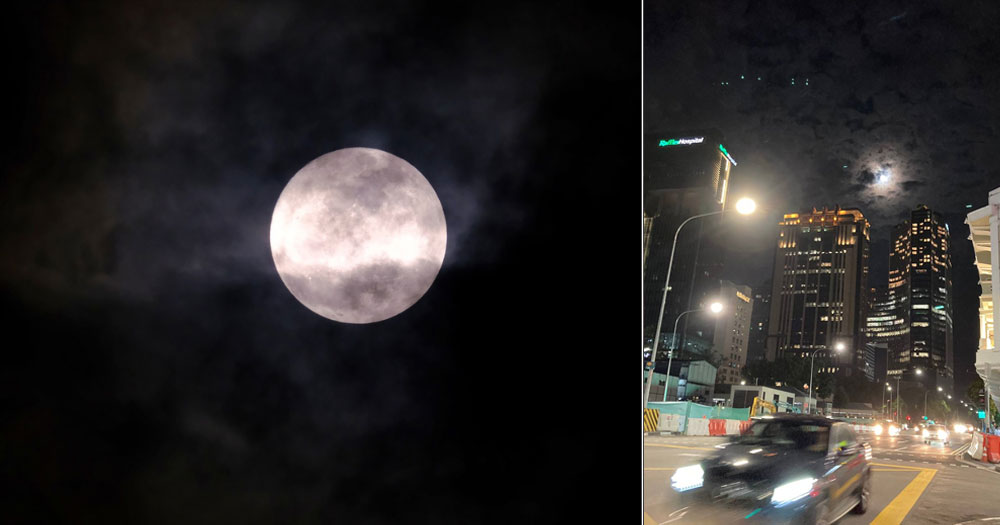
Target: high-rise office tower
[
  {"x": 885, "y": 327},
  {"x": 758, "y": 321},
  {"x": 685, "y": 174},
  {"x": 820, "y": 287},
  {"x": 732, "y": 331},
  {"x": 920, "y": 286}
]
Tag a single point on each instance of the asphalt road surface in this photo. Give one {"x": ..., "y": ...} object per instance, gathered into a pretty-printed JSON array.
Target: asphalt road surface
[{"x": 912, "y": 482}]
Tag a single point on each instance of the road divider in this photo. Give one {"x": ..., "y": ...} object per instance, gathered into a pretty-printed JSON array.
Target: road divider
[
  {"x": 697, "y": 427},
  {"x": 671, "y": 423},
  {"x": 650, "y": 416},
  {"x": 991, "y": 446},
  {"x": 717, "y": 427}
]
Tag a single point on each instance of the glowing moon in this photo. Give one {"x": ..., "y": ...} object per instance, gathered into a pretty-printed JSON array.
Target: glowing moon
[{"x": 358, "y": 235}]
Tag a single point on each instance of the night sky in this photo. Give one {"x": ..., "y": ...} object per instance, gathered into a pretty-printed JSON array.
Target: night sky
[
  {"x": 878, "y": 106},
  {"x": 157, "y": 370}
]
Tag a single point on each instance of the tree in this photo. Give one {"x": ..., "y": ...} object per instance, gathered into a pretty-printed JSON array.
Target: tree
[
  {"x": 791, "y": 371},
  {"x": 973, "y": 393}
]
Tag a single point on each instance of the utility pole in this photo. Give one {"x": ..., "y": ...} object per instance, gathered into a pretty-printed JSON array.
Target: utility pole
[{"x": 989, "y": 413}]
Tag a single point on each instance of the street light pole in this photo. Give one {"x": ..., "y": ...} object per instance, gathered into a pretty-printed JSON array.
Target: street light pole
[
  {"x": 895, "y": 414},
  {"x": 925, "y": 401},
  {"x": 888, "y": 407},
  {"x": 883, "y": 397},
  {"x": 715, "y": 308},
  {"x": 666, "y": 283},
  {"x": 673, "y": 348},
  {"x": 743, "y": 206}
]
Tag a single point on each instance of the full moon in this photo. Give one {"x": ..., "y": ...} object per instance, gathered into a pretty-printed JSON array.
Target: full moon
[{"x": 358, "y": 235}]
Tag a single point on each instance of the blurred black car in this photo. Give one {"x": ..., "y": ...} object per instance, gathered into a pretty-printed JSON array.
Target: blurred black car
[{"x": 784, "y": 469}]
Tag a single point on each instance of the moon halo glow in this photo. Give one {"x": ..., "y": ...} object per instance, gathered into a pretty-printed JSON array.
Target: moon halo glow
[{"x": 358, "y": 235}]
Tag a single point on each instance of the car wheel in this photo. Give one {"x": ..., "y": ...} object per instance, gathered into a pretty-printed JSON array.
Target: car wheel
[{"x": 866, "y": 496}]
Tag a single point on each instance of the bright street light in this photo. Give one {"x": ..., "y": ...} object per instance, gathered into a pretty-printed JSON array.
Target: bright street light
[
  {"x": 715, "y": 307},
  {"x": 746, "y": 206},
  {"x": 919, "y": 371},
  {"x": 743, "y": 382}
]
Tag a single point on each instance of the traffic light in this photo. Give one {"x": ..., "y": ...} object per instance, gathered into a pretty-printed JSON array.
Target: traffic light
[
  {"x": 925, "y": 418},
  {"x": 908, "y": 418}
]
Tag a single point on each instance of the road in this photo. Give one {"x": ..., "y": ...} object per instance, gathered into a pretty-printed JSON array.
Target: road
[{"x": 932, "y": 484}]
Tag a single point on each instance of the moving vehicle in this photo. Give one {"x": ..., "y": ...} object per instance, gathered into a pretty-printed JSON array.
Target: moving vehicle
[
  {"x": 887, "y": 427},
  {"x": 936, "y": 433},
  {"x": 785, "y": 468}
]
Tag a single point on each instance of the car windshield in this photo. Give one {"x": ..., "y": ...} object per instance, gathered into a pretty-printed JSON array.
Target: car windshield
[{"x": 795, "y": 434}]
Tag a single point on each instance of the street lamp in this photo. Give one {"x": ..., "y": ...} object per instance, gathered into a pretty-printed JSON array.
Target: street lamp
[
  {"x": 715, "y": 308},
  {"x": 744, "y": 206},
  {"x": 837, "y": 347}
]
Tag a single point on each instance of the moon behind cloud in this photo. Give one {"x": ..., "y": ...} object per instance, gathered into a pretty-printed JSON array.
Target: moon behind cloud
[{"x": 358, "y": 235}]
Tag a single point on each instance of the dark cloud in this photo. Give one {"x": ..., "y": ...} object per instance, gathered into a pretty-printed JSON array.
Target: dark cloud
[{"x": 169, "y": 376}]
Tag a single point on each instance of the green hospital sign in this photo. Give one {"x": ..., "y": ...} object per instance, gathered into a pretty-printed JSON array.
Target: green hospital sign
[{"x": 681, "y": 142}]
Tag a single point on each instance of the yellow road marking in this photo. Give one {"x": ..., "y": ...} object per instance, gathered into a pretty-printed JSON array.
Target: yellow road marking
[
  {"x": 675, "y": 446},
  {"x": 898, "y": 508},
  {"x": 660, "y": 468},
  {"x": 890, "y": 470},
  {"x": 904, "y": 467},
  {"x": 647, "y": 520}
]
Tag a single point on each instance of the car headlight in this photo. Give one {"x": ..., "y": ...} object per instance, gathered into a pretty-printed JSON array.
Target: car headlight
[
  {"x": 959, "y": 428},
  {"x": 687, "y": 478},
  {"x": 792, "y": 491},
  {"x": 878, "y": 430},
  {"x": 925, "y": 433},
  {"x": 942, "y": 434}
]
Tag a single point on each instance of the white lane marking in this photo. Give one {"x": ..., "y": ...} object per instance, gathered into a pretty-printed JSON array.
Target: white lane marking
[{"x": 682, "y": 510}]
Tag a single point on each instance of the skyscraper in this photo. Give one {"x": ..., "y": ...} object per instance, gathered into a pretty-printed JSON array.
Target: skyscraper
[
  {"x": 920, "y": 287},
  {"x": 885, "y": 326},
  {"x": 732, "y": 331},
  {"x": 759, "y": 321},
  {"x": 686, "y": 174},
  {"x": 820, "y": 287}
]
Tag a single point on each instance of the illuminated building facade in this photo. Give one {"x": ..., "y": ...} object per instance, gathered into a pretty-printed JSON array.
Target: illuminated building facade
[
  {"x": 819, "y": 292},
  {"x": 984, "y": 232},
  {"x": 886, "y": 327},
  {"x": 732, "y": 331},
  {"x": 920, "y": 290},
  {"x": 685, "y": 174}
]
